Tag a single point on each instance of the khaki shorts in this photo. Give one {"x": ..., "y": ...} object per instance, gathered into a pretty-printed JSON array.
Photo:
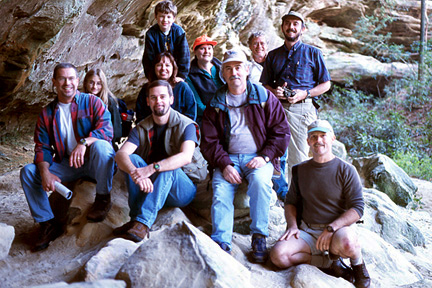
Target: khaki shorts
[{"x": 310, "y": 236}]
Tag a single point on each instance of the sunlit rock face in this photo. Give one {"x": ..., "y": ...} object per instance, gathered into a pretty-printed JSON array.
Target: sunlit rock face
[{"x": 35, "y": 35}]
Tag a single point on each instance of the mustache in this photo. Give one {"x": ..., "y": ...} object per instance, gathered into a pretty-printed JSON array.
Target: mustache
[{"x": 234, "y": 77}]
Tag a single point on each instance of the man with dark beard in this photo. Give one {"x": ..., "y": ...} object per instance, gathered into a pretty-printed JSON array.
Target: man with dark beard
[
  {"x": 300, "y": 68},
  {"x": 161, "y": 161}
]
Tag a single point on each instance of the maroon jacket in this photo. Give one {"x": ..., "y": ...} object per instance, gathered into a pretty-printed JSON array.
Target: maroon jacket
[{"x": 265, "y": 115}]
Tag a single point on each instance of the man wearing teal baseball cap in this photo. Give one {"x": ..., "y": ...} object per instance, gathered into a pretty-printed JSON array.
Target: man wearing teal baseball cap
[{"x": 323, "y": 203}]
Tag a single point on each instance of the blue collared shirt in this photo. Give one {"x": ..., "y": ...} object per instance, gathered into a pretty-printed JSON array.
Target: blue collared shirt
[{"x": 304, "y": 70}]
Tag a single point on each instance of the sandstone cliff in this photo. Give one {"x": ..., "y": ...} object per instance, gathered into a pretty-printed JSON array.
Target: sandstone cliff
[{"x": 37, "y": 34}]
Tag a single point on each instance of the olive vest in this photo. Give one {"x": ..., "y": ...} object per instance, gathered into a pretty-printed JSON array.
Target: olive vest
[{"x": 177, "y": 123}]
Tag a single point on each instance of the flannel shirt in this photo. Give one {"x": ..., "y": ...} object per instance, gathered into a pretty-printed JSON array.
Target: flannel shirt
[{"x": 90, "y": 118}]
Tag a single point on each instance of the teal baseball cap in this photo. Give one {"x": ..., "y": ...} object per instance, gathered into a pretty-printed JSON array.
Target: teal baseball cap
[{"x": 320, "y": 125}]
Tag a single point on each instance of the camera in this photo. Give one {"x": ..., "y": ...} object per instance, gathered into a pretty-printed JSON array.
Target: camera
[{"x": 288, "y": 92}]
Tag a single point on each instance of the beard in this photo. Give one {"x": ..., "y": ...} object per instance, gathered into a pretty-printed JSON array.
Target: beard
[
  {"x": 292, "y": 39},
  {"x": 161, "y": 111}
]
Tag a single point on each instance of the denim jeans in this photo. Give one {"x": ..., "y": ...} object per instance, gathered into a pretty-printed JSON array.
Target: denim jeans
[
  {"x": 259, "y": 191},
  {"x": 280, "y": 184},
  {"x": 170, "y": 188},
  {"x": 99, "y": 166}
]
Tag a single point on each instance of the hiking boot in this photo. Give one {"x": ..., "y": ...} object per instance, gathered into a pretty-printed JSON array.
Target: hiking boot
[
  {"x": 137, "y": 232},
  {"x": 361, "y": 276},
  {"x": 99, "y": 210},
  {"x": 122, "y": 229},
  {"x": 225, "y": 247},
  {"x": 259, "y": 248},
  {"x": 339, "y": 269},
  {"x": 48, "y": 231}
]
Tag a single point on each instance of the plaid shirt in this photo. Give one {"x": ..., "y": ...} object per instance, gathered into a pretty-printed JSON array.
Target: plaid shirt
[
  {"x": 157, "y": 42},
  {"x": 90, "y": 118}
]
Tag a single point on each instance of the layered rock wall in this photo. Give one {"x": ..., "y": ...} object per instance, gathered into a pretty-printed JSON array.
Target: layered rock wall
[{"x": 35, "y": 35}]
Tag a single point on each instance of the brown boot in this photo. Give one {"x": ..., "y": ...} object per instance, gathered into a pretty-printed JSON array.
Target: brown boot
[
  {"x": 99, "y": 210},
  {"x": 123, "y": 229},
  {"x": 48, "y": 231},
  {"x": 339, "y": 269},
  {"x": 361, "y": 276},
  {"x": 137, "y": 232}
]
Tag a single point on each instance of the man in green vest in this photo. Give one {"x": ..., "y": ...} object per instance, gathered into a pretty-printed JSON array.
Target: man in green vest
[{"x": 161, "y": 161}]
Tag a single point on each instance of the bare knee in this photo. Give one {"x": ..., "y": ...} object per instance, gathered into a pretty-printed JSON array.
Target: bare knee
[
  {"x": 282, "y": 254},
  {"x": 279, "y": 256},
  {"x": 346, "y": 244}
]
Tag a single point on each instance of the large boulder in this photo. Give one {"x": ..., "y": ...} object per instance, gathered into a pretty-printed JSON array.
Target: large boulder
[
  {"x": 391, "y": 222},
  {"x": 386, "y": 265},
  {"x": 368, "y": 73},
  {"x": 108, "y": 261},
  {"x": 339, "y": 149},
  {"x": 182, "y": 255},
  {"x": 310, "y": 276},
  {"x": 380, "y": 172},
  {"x": 7, "y": 236}
]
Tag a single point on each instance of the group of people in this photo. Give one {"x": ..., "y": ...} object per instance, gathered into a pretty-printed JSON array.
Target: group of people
[{"x": 242, "y": 120}]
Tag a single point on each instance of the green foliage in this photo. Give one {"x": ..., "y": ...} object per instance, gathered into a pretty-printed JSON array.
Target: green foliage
[
  {"x": 412, "y": 92},
  {"x": 399, "y": 124},
  {"x": 371, "y": 30},
  {"x": 414, "y": 165},
  {"x": 364, "y": 125}
]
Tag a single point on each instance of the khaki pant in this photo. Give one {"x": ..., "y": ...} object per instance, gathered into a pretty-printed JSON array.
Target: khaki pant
[{"x": 300, "y": 116}]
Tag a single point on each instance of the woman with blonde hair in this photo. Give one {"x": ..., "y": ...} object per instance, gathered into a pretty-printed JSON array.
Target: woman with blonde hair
[{"x": 95, "y": 82}]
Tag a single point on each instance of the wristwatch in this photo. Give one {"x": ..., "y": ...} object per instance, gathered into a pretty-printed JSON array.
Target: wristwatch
[
  {"x": 83, "y": 141},
  {"x": 330, "y": 229},
  {"x": 308, "y": 94},
  {"x": 156, "y": 166},
  {"x": 266, "y": 158}
]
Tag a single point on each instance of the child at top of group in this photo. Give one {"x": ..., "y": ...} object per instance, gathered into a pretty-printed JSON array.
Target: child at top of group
[
  {"x": 166, "y": 36},
  {"x": 95, "y": 83}
]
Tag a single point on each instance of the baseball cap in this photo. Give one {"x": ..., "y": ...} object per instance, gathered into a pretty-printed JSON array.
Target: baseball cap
[
  {"x": 320, "y": 125},
  {"x": 294, "y": 14},
  {"x": 234, "y": 55},
  {"x": 204, "y": 39}
]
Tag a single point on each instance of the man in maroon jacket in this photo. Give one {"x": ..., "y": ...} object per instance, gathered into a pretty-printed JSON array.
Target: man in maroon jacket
[{"x": 244, "y": 131}]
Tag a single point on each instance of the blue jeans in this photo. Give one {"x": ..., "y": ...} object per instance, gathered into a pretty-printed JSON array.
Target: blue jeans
[
  {"x": 280, "y": 184},
  {"x": 99, "y": 166},
  {"x": 259, "y": 191},
  {"x": 170, "y": 188}
]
